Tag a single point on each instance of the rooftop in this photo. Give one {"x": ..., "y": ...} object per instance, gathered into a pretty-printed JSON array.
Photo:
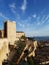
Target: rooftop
[{"x": 19, "y": 32}]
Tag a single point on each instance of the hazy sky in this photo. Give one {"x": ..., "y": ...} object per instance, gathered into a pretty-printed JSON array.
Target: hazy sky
[{"x": 31, "y": 16}]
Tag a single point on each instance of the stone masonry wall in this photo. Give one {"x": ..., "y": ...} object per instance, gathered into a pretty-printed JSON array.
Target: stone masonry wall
[{"x": 3, "y": 50}]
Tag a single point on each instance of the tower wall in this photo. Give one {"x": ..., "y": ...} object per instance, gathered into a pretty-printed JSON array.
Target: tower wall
[
  {"x": 5, "y": 29},
  {"x": 10, "y": 31}
]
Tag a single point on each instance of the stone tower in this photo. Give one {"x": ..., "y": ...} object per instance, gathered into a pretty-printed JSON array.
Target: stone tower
[{"x": 10, "y": 31}]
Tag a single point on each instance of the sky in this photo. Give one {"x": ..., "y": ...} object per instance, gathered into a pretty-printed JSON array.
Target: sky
[{"x": 31, "y": 16}]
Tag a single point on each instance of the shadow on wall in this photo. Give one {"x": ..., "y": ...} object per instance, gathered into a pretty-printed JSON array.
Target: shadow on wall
[{"x": 0, "y": 34}]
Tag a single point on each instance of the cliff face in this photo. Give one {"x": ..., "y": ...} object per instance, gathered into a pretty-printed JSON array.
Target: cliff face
[{"x": 3, "y": 50}]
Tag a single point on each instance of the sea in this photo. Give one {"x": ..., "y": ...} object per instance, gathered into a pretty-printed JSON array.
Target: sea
[
  {"x": 41, "y": 38},
  {"x": 44, "y": 38}
]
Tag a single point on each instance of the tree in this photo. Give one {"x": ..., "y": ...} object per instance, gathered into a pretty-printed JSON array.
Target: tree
[
  {"x": 20, "y": 46},
  {"x": 30, "y": 60},
  {"x": 23, "y": 38}
]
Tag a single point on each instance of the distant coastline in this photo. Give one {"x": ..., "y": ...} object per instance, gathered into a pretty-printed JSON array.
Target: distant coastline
[{"x": 39, "y": 38}]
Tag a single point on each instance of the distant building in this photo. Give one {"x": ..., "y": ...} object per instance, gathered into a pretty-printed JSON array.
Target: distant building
[{"x": 20, "y": 34}]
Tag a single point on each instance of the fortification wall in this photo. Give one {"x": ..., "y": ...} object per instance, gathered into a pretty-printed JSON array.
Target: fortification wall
[
  {"x": 3, "y": 50},
  {"x": 19, "y": 34}
]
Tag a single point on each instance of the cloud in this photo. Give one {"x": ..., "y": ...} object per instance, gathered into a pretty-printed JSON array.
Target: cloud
[
  {"x": 24, "y": 5},
  {"x": 38, "y": 23},
  {"x": 21, "y": 24},
  {"x": 40, "y": 20},
  {"x": 13, "y": 7},
  {"x": 39, "y": 32},
  {"x": 34, "y": 15},
  {"x": 3, "y": 16},
  {"x": 46, "y": 18},
  {"x": 34, "y": 29}
]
